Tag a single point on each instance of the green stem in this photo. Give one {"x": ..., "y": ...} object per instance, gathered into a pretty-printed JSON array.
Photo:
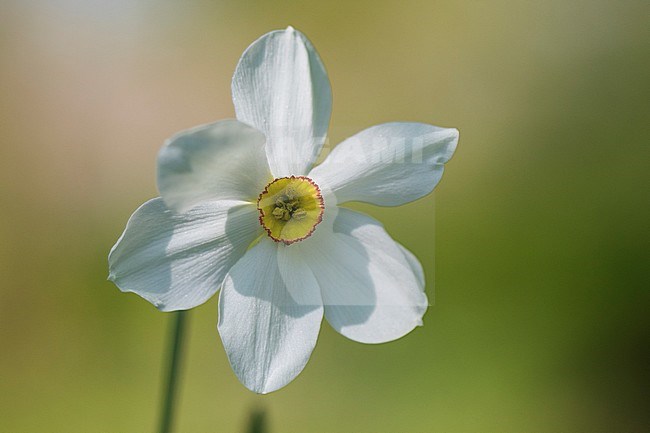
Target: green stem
[{"x": 174, "y": 365}]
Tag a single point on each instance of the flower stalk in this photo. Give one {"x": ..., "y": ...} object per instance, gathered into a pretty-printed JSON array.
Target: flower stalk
[{"x": 174, "y": 360}]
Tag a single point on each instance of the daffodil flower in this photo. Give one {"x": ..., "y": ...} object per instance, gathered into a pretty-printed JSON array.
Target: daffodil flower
[{"x": 242, "y": 210}]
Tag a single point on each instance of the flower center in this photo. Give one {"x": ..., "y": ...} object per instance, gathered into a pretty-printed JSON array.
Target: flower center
[{"x": 290, "y": 208}]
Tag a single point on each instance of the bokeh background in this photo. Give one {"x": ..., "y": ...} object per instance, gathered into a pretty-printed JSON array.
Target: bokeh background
[{"x": 535, "y": 246}]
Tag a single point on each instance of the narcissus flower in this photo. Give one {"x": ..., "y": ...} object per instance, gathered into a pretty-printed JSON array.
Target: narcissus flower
[{"x": 242, "y": 210}]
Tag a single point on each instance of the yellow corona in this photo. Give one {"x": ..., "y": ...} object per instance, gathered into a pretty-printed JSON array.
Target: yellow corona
[{"x": 290, "y": 208}]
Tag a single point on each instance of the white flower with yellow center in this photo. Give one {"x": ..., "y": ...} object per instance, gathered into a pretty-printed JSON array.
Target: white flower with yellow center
[{"x": 243, "y": 210}]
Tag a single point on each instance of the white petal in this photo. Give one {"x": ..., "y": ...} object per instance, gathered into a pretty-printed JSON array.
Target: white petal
[
  {"x": 281, "y": 88},
  {"x": 270, "y": 313},
  {"x": 388, "y": 164},
  {"x": 371, "y": 291},
  {"x": 415, "y": 264},
  {"x": 224, "y": 160},
  {"x": 178, "y": 261}
]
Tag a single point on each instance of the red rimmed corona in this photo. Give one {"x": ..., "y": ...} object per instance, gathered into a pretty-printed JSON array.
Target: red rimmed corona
[{"x": 290, "y": 208}]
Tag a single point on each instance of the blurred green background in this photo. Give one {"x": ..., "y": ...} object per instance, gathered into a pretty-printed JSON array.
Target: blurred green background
[{"x": 535, "y": 246}]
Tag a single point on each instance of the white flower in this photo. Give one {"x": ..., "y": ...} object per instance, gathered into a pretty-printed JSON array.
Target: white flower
[{"x": 242, "y": 210}]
